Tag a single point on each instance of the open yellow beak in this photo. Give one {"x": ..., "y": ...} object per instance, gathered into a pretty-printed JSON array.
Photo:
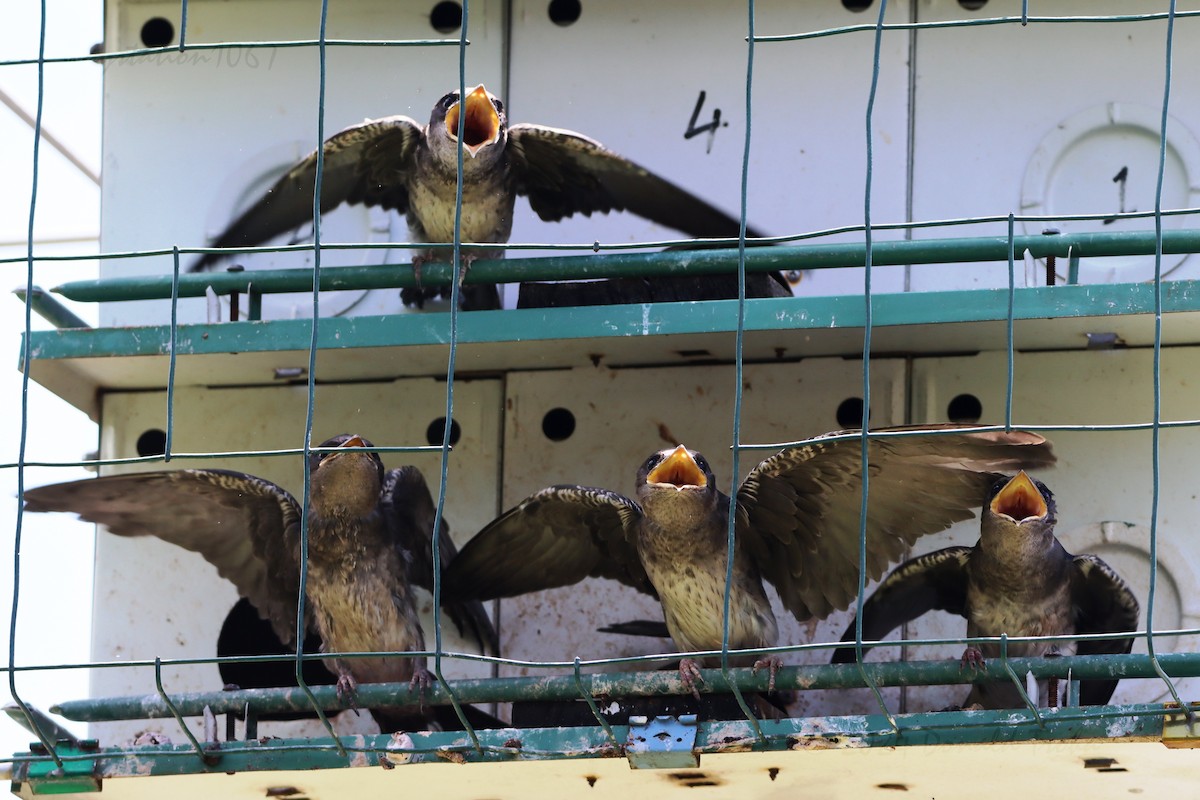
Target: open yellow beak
[
  {"x": 1019, "y": 499},
  {"x": 353, "y": 441},
  {"x": 481, "y": 126},
  {"x": 678, "y": 469}
]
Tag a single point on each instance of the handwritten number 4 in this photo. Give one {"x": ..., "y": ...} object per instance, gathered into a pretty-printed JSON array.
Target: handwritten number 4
[{"x": 710, "y": 128}]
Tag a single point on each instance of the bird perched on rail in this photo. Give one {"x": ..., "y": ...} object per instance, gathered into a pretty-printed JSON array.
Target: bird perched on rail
[
  {"x": 396, "y": 163},
  {"x": 797, "y": 518},
  {"x": 370, "y": 540},
  {"x": 1017, "y": 580}
]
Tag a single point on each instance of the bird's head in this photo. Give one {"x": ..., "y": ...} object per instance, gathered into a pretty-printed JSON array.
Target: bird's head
[
  {"x": 1019, "y": 505},
  {"x": 679, "y": 477},
  {"x": 348, "y": 480},
  {"x": 482, "y": 118}
]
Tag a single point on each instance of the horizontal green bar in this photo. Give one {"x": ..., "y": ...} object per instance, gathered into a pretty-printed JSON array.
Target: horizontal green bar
[
  {"x": 511, "y": 744},
  {"x": 675, "y": 262},
  {"x": 628, "y": 684},
  {"x": 541, "y": 324}
]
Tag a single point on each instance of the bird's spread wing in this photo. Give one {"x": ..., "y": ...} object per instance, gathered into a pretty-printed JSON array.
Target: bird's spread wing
[
  {"x": 1104, "y": 603},
  {"x": 555, "y": 537},
  {"x": 565, "y": 173},
  {"x": 411, "y": 513},
  {"x": 803, "y": 504},
  {"x": 936, "y": 580},
  {"x": 247, "y": 527},
  {"x": 364, "y": 163}
]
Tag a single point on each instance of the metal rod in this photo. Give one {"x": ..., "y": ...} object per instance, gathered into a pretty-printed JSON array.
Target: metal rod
[
  {"x": 632, "y": 684},
  {"x": 51, "y": 309},
  {"x": 693, "y": 262}
]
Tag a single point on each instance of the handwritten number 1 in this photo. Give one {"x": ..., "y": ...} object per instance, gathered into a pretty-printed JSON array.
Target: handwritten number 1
[{"x": 1119, "y": 179}]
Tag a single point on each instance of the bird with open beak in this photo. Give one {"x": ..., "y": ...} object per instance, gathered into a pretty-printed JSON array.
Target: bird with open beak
[
  {"x": 396, "y": 163},
  {"x": 797, "y": 526},
  {"x": 1017, "y": 580},
  {"x": 370, "y": 540}
]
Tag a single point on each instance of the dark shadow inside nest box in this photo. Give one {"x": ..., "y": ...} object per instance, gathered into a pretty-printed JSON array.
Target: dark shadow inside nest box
[{"x": 245, "y": 633}]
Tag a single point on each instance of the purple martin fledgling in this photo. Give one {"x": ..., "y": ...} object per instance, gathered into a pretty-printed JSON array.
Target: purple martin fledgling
[
  {"x": 396, "y": 163},
  {"x": 797, "y": 517},
  {"x": 370, "y": 540},
  {"x": 1017, "y": 580}
]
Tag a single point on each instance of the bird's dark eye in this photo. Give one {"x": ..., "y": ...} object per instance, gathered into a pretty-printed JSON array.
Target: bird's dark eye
[
  {"x": 499, "y": 106},
  {"x": 652, "y": 462},
  {"x": 702, "y": 463},
  {"x": 448, "y": 100}
]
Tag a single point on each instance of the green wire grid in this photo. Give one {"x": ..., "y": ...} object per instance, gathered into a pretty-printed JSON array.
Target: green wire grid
[{"x": 885, "y": 729}]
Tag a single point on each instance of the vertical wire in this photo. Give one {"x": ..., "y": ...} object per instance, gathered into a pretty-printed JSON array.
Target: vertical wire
[
  {"x": 1017, "y": 682},
  {"x": 179, "y": 720},
  {"x": 1156, "y": 430},
  {"x": 24, "y": 436},
  {"x": 1012, "y": 295},
  {"x": 172, "y": 345},
  {"x": 735, "y": 469},
  {"x": 183, "y": 26},
  {"x": 455, "y": 292},
  {"x": 312, "y": 373},
  {"x": 910, "y": 170},
  {"x": 866, "y": 412}
]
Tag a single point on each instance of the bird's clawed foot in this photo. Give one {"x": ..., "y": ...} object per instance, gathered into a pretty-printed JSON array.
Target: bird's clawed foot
[
  {"x": 421, "y": 680},
  {"x": 689, "y": 673},
  {"x": 772, "y": 665},
  {"x": 972, "y": 657},
  {"x": 416, "y": 295},
  {"x": 347, "y": 689}
]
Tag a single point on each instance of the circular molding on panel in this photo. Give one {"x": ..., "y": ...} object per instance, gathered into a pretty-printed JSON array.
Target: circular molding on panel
[
  {"x": 249, "y": 180},
  {"x": 1105, "y": 160},
  {"x": 1126, "y": 548}
]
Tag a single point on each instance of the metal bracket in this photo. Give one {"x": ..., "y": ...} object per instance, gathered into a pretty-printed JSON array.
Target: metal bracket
[
  {"x": 1181, "y": 730},
  {"x": 664, "y": 742},
  {"x": 77, "y": 775}
]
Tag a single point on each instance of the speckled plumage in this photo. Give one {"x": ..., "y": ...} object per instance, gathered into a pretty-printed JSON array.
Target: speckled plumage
[
  {"x": 396, "y": 163},
  {"x": 369, "y": 535},
  {"x": 1017, "y": 580},
  {"x": 797, "y": 527}
]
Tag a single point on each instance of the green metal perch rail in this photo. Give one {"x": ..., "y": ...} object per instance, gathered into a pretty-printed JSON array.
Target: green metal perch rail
[{"x": 614, "y": 265}]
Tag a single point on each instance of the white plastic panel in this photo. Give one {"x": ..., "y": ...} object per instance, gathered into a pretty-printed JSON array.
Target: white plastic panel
[
  {"x": 621, "y": 417},
  {"x": 154, "y": 599},
  {"x": 1042, "y": 119},
  {"x": 1103, "y": 480},
  {"x": 631, "y": 74},
  {"x": 190, "y": 138}
]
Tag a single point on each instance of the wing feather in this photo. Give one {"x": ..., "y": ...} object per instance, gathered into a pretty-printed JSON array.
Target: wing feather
[
  {"x": 555, "y": 537},
  {"x": 364, "y": 163},
  {"x": 411, "y": 512},
  {"x": 247, "y": 527},
  {"x": 803, "y": 504},
  {"x": 936, "y": 580}
]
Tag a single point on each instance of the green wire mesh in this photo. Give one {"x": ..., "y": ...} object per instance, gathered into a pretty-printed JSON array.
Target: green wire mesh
[{"x": 765, "y": 734}]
